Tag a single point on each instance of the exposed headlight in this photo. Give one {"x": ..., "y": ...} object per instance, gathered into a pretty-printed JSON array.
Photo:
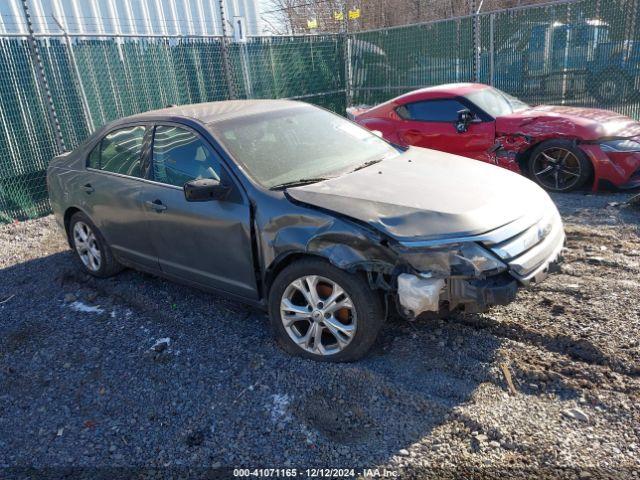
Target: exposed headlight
[
  {"x": 467, "y": 259},
  {"x": 620, "y": 146},
  {"x": 472, "y": 254}
]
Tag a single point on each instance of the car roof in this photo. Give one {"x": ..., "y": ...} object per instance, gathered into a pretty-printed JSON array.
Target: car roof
[
  {"x": 446, "y": 90},
  {"x": 213, "y": 112}
]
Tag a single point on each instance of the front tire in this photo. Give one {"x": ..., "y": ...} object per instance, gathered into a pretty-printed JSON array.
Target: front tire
[
  {"x": 91, "y": 248},
  {"x": 320, "y": 312},
  {"x": 559, "y": 166}
]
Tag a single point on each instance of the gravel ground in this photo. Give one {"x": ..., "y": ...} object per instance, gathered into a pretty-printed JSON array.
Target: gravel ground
[{"x": 81, "y": 385}]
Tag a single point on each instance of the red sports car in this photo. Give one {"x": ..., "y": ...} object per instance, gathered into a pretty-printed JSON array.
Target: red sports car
[{"x": 561, "y": 148}]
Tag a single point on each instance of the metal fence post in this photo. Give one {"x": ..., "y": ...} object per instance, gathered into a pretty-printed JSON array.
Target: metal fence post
[
  {"x": 348, "y": 88},
  {"x": 492, "y": 49},
  {"x": 476, "y": 47},
  {"x": 348, "y": 71},
  {"x": 226, "y": 61},
  {"x": 83, "y": 94},
  {"x": 41, "y": 78},
  {"x": 477, "y": 40}
]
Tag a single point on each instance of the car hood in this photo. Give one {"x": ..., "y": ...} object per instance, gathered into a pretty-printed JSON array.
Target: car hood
[
  {"x": 583, "y": 123},
  {"x": 425, "y": 195}
]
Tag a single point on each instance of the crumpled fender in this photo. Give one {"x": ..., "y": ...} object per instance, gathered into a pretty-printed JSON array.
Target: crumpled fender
[
  {"x": 530, "y": 133},
  {"x": 342, "y": 241}
]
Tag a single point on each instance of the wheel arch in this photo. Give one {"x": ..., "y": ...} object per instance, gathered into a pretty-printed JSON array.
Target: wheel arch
[
  {"x": 364, "y": 268},
  {"x": 281, "y": 262},
  {"x": 68, "y": 213},
  {"x": 524, "y": 157},
  {"x": 288, "y": 258}
]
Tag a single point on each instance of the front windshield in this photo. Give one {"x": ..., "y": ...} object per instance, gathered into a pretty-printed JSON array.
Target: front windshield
[
  {"x": 299, "y": 143},
  {"x": 496, "y": 102}
]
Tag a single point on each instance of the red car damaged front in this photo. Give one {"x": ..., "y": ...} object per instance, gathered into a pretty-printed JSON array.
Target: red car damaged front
[
  {"x": 561, "y": 148},
  {"x": 611, "y": 141}
]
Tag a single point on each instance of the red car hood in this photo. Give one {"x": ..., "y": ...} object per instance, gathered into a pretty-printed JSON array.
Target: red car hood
[{"x": 582, "y": 123}]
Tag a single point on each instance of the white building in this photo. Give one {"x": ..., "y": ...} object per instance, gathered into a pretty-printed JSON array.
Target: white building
[{"x": 105, "y": 17}]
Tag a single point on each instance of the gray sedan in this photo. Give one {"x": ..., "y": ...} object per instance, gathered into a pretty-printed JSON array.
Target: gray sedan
[{"x": 303, "y": 213}]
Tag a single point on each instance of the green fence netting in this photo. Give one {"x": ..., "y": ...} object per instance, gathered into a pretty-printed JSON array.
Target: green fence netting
[
  {"x": 95, "y": 80},
  {"x": 386, "y": 63},
  {"x": 27, "y": 140},
  {"x": 582, "y": 52}
]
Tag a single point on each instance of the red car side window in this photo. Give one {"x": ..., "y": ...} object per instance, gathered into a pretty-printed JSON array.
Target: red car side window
[{"x": 444, "y": 110}]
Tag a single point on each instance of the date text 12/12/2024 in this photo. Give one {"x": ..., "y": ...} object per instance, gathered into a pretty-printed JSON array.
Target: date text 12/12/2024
[{"x": 315, "y": 473}]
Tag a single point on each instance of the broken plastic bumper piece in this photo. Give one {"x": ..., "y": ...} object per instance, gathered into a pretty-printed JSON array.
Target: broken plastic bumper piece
[
  {"x": 479, "y": 294},
  {"x": 418, "y": 294}
]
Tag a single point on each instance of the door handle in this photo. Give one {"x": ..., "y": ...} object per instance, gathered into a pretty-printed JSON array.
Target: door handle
[
  {"x": 157, "y": 205},
  {"x": 88, "y": 188}
]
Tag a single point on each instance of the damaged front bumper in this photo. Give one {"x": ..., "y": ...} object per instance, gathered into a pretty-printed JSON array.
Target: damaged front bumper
[
  {"x": 471, "y": 295},
  {"x": 526, "y": 251}
]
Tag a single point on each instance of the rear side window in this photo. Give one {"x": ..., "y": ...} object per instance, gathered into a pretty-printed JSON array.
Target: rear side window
[
  {"x": 432, "y": 111},
  {"x": 119, "y": 152},
  {"x": 94, "y": 157},
  {"x": 180, "y": 156}
]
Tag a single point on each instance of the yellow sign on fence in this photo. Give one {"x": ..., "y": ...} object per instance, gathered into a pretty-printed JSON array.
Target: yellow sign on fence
[
  {"x": 353, "y": 14},
  {"x": 338, "y": 16},
  {"x": 312, "y": 23}
]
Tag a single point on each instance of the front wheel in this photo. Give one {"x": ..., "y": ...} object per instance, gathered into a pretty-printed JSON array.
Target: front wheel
[
  {"x": 559, "y": 166},
  {"x": 320, "y": 312}
]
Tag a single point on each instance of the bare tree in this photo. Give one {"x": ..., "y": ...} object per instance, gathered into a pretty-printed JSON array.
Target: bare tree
[{"x": 293, "y": 16}]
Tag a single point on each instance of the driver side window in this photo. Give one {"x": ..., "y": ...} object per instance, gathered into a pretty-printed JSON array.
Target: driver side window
[
  {"x": 432, "y": 111},
  {"x": 179, "y": 156}
]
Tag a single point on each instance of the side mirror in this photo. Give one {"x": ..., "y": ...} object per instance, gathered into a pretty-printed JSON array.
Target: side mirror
[
  {"x": 464, "y": 119},
  {"x": 204, "y": 190}
]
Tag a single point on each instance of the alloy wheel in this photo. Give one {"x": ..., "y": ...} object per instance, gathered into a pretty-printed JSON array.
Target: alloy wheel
[
  {"x": 87, "y": 246},
  {"x": 318, "y": 315},
  {"x": 557, "y": 169}
]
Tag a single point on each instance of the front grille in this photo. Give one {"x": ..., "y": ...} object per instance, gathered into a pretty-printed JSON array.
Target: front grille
[{"x": 531, "y": 251}]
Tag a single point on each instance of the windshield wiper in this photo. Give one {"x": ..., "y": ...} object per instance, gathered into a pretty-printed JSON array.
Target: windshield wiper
[
  {"x": 298, "y": 183},
  {"x": 366, "y": 164}
]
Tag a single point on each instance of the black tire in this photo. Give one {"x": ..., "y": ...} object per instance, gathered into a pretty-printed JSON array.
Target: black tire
[
  {"x": 367, "y": 304},
  {"x": 615, "y": 87},
  {"x": 108, "y": 264},
  {"x": 573, "y": 167}
]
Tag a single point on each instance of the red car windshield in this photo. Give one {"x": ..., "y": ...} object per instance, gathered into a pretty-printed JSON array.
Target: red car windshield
[{"x": 495, "y": 102}]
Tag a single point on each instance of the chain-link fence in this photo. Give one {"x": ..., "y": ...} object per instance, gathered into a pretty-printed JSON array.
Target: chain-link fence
[
  {"x": 582, "y": 53},
  {"x": 92, "y": 81},
  {"x": 57, "y": 88}
]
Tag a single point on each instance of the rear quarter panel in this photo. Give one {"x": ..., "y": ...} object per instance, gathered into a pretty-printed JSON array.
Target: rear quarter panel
[{"x": 63, "y": 178}]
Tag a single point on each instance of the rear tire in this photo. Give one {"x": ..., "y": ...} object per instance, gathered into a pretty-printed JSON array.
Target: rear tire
[
  {"x": 559, "y": 166},
  {"x": 346, "y": 333},
  {"x": 91, "y": 248},
  {"x": 617, "y": 87}
]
